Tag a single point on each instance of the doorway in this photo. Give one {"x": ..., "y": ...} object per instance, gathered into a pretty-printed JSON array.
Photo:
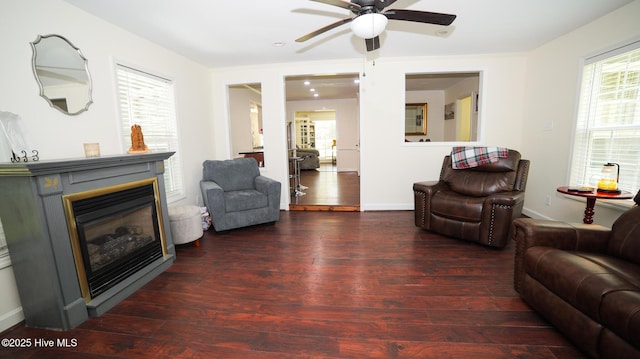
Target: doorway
[
  {"x": 322, "y": 127},
  {"x": 463, "y": 130},
  {"x": 317, "y": 130}
]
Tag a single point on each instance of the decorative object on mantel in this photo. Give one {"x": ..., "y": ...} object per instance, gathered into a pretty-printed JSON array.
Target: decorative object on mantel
[
  {"x": 14, "y": 144},
  {"x": 137, "y": 140},
  {"x": 91, "y": 150}
]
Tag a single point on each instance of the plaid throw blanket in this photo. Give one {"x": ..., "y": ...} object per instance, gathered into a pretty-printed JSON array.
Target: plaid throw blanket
[{"x": 468, "y": 157}]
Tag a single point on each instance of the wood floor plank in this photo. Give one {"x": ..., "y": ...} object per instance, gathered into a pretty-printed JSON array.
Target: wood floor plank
[{"x": 320, "y": 285}]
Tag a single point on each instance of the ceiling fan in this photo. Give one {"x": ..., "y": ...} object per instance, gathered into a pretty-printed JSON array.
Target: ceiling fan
[{"x": 370, "y": 20}]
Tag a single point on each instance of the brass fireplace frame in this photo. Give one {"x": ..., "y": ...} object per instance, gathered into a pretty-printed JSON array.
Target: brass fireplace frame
[{"x": 73, "y": 229}]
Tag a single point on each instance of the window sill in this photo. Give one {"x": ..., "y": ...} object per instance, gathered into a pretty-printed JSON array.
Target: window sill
[{"x": 620, "y": 204}]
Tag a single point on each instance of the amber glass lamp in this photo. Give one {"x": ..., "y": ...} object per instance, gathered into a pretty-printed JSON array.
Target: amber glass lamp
[{"x": 608, "y": 183}]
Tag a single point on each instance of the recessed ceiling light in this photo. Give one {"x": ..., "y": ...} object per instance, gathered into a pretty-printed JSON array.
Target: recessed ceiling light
[
  {"x": 307, "y": 83},
  {"x": 315, "y": 95},
  {"x": 278, "y": 44},
  {"x": 312, "y": 90}
]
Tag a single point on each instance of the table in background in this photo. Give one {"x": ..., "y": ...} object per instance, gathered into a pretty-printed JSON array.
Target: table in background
[
  {"x": 258, "y": 155},
  {"x": 591, "y": 199}
]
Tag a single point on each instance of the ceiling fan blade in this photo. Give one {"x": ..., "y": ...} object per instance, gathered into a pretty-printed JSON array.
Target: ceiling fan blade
[
  {"x": 420, "y": 16},
  {"x": 372, "y": 44},
  {"x": 342, "y": 3},
  {"x": 323, "y": 29}
]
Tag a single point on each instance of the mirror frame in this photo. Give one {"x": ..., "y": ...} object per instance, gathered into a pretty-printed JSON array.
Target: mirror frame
[
  {"x": 422, "y": 125},
  {"x": 86, "y": 68}
]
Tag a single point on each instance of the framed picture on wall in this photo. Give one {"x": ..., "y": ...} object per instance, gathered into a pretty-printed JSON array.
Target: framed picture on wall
[{"x": 449, "y": 111}]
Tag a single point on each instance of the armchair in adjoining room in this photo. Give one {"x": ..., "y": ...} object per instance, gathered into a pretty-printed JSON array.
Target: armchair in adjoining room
[
  {"x": 476, "y": 204},
  {"x": 237, "y": 195},
  {"x": 310, "y": 158}
]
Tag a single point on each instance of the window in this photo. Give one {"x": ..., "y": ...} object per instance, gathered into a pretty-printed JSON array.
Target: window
[
  {"x": 149, "y": 101},
  {"x": 608, "y": 123}
]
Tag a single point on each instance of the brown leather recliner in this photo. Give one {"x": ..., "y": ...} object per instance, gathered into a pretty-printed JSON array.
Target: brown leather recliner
[
  {"x": 476, "y": 204},
  {"x": 585, "y": 280}
]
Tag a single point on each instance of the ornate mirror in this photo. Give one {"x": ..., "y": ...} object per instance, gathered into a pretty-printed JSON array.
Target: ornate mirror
[{"x": 62, "y": 74}]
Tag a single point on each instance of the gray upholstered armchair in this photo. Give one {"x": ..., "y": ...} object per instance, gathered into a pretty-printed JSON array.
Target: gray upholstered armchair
[{"x": 237, "y": 195}]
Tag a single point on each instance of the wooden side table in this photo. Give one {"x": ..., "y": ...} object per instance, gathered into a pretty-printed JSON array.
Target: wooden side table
[
  {"x": 258, "y": 155},
  {"x": 591, "y": 197}
]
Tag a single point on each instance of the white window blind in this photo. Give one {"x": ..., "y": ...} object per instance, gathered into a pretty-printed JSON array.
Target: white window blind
[
  {"x": 149, "y": 101},
  {"x": 608, "y": 123},
  {"x": 4, "y": 251}
]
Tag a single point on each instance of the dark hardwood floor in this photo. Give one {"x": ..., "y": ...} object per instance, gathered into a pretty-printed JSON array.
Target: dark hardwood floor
[
  {"x": 328, "y": 190},
  {"x": 319, "y": 285}
]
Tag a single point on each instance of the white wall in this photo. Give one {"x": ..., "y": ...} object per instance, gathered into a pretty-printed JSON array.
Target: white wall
[
  {"x": 389, "y": 165},
  {"x": 552, "y": 79},
  {"x": 58, "y": 136},
  {"x": 385, "y": 157}
]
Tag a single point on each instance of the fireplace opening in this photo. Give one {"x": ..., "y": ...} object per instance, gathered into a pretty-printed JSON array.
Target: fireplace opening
[{"x": 116, "y": 234}]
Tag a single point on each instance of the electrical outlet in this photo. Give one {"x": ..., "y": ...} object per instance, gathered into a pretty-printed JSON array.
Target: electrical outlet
[{"x": 547, "y": 200}]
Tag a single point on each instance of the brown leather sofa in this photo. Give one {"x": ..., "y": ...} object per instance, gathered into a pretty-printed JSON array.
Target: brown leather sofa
[
  {"x": 585, "y": 280},
  {"x": 476, "y": 204}
]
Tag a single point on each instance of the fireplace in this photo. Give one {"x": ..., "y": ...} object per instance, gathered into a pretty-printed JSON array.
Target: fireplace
[
  {"x": 114, "y": 231},
  {"x": 84, "y": 233}
]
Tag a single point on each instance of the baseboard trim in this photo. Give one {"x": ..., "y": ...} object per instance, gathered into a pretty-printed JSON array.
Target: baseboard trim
[
  {"x": 535, "y": 215},
  {"x": 11, "y": 318},
  {"x": 323, "y": 208},
  {"x": 388, "y": 207}
]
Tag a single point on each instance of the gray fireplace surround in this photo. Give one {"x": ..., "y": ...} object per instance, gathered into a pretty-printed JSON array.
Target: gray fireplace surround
[{"x": 33, "y": 214}]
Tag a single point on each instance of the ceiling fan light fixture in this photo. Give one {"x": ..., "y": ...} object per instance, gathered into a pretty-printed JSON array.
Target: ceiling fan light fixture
[{"x": 368, "y": 26}]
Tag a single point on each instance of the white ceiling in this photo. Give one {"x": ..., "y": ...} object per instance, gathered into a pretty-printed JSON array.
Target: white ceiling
[{"x": 237, "y": 33}]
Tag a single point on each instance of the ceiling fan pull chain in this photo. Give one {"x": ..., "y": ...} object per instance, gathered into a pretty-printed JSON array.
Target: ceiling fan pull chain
[{"x": 364, "y": 64}]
